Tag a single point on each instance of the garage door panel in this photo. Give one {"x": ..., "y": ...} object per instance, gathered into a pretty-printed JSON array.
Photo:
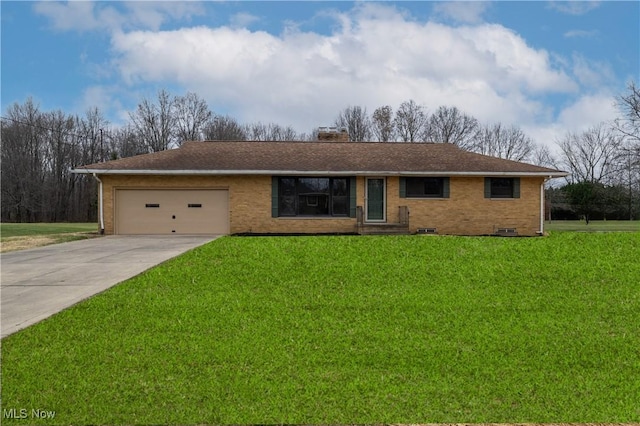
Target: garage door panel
[{"x": 172, "y": 211}]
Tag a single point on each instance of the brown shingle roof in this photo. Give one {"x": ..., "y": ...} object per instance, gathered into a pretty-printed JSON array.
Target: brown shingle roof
[{"x": 227, "y": 157}]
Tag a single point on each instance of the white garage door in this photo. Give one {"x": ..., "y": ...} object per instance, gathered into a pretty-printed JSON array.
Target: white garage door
[{"x": 172, "y": 211}]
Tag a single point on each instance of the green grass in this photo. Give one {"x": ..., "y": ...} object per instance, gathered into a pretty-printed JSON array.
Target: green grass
[
  {"x": 332, "y": 330},
  {"x": 30, "y": 229},
  {"x": 593, "y": 226}
]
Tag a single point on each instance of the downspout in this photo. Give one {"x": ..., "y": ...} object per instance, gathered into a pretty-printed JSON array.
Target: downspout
[
  {"x": 541, "y": 231},
  {"x": 100, "y": 207}
]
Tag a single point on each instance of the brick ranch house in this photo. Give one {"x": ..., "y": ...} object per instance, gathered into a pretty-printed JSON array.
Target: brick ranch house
[{"x": 329, "y": 186}]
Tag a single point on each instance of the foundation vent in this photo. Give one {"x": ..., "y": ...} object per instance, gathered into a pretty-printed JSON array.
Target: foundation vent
[
  {"x": 427, "y": 231},
  {"x": 507, "y": 232}
]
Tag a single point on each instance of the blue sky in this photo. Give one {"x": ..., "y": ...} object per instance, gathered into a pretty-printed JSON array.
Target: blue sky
[{"x": 548, "y": 67}]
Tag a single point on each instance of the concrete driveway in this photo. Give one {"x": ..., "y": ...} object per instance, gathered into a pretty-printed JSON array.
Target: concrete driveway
[{"x": 37, "y": 283}]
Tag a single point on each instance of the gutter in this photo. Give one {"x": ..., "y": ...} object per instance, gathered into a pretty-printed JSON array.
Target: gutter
[
  {"x": 314, "y": 173},
  {"x": 100, "y": 206}
]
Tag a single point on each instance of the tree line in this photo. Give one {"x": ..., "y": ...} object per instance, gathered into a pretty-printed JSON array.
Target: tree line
[{"x": 39, "y": 148}]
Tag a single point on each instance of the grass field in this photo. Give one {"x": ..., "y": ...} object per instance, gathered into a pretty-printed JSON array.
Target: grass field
[
  {"x": 20, "y": 236},
  {"x": 332, "y": 330},
  {"x": 29, "y": 229},
  {"x": 593, "y": 226}
]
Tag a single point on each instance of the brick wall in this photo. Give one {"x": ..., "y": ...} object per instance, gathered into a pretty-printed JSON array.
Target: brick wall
[
  {"x": 249, "y": 202},
  {"x": 466, "y": 212}
]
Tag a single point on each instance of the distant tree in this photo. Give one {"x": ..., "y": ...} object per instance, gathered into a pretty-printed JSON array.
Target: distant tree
[
  {"x": 450, "y": 125},
  {"x": 510, "y": 143},
  {"x": 191, "y": 114},
  {"x": 270, "y": 132},
  {"x": 410, "y": 121},
  {"x": 60, "y": 143},
  {"x": 23, "y": 152},
  {"x": 541, "y": 156},
  {"x": 124, "y": 142},
  {"x": 583, "y": 198},
  {"x": 224, "y": 128},
  {"x": 629, "y": 107},
  {"x": 382, "y": 124},
  {"x": 591, "y": 156},
  {"x": 38, "y": 150},
  {"x": 154, "y": 122},
  {"x": 357, "y": 123}
]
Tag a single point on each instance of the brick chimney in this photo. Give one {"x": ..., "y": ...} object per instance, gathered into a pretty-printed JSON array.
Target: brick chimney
[{"x": 332, "y": 134}]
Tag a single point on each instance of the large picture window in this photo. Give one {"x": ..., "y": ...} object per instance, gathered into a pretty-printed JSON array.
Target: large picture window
[{"x": 313, "y": 196}]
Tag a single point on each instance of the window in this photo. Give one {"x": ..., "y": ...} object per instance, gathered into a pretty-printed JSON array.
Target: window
[
  {"x": 312, "y": 196},
  {"x": 424, "y": 187},
  {"x": 502, "y": 187}
]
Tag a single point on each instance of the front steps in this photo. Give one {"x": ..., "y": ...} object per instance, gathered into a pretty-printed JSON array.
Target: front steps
[{"x": 383, "y": 229}]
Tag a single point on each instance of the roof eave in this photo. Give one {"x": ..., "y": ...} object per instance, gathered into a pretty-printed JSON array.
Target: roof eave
[{"x": 547, "y": 174}]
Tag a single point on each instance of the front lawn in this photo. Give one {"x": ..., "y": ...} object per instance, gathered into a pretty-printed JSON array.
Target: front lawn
[
  {"x": 20, "y": 236},
  {"x": 30, "y": 229},
  {"x": 593, "y": 226},
  {"x": 407, "y": 329}
]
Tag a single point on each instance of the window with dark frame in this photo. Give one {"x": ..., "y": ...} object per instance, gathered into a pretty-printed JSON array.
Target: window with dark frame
[
  {"x": 313, "y": 196},
  {"x": 502, "y": 187},
  {"x": 425, "y": 187}
]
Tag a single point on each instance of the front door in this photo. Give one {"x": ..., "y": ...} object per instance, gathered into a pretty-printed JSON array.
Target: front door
[{"x": 375, "y": 200}]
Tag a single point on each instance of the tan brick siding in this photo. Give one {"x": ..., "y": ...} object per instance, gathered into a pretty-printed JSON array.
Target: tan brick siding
[{"x": 466, "y": 212}]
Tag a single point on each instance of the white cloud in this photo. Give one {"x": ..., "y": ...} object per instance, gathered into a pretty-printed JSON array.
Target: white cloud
[
  {"x": 377, "y": 56},
  {"x": 574, "y": 7},
  {"x": 469, "y": 12},
  {"x": 242, "y": 20},
  {"x": 591, "y": 73},
  {"x": 583, "y": 113},
  {"x": 152, "y": 14},
  {"x": 90, "y": 16},
  {"x": 581, "y": 34},
  {"x": 587, "y": 111},
  {"x": 69, "y": 16}
]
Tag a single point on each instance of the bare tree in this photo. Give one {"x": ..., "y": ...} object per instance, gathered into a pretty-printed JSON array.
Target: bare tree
[
  {"x": 155, "y": 122},
  {"x": 629, "y": 106},
  {"x": 23, "y": 150},
  {"x": 591, "y": 156},
  {"x": 450, "y": 125},
  {"x": 92, "y": 128},
  {"x": 628, "y": 125},
  {"x": 124, "y": 142},
  {"x": 356, "y": 120},
  {"x": 496, "y": 140},
  {"x": 382, "y": 124},
  {"x": 224, "y": 128},
  {"x": 61, "y": 143},
  {"x": 38, "y": 151},
  {"x": 270, "y": 132},
  {"x": 191, "y": 115},
  {"x": 410, "y": 121},
  {"x": 541, "y": 156}
]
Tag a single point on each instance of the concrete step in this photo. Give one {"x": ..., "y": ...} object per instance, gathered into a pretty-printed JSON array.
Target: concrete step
[{"x": 384, "y": 229}]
